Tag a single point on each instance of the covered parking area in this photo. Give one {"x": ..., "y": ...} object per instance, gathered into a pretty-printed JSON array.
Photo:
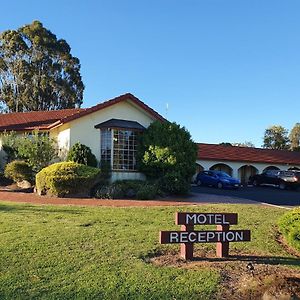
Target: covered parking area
[{"x": 242, "y": 162}]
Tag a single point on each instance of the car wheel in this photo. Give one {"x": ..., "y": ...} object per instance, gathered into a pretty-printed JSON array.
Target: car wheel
[
  {"x": 220, "y": 185},
  {"x": 199, "y": 182},
  {"x": 255, "y": 183},
  {"x": 282, "y": 185}
]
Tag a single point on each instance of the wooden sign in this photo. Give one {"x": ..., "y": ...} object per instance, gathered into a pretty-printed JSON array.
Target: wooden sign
[
  {"x": 188, "y": 236},
  {"x": 205, "y": 219},
  {"x": 214, "y": 236}
]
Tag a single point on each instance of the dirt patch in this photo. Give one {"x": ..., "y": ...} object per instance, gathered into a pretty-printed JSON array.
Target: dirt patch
[
  {"x": 33, "y": 198},
  {"x": 243, "y": 276}
]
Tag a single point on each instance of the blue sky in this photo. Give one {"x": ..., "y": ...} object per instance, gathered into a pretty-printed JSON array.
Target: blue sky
[{"x": 227, "y": 69}]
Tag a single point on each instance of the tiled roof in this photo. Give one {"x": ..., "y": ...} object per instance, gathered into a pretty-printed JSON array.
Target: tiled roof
[
  {"x": 246, "y": 154},
  {"x": 34, "y": 120},
  {"x": 45, "y": 120}
]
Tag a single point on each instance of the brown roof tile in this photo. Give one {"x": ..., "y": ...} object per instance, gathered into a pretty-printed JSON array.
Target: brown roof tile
[
  {"x": 34, "y": 120},
  {"x": 50, "y": 119},
  {"x": 246, "y": 154}
]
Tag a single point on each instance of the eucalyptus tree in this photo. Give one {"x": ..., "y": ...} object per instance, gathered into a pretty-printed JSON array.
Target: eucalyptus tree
[
  {"x": 276, "y": 137},
  {"x": 295, "y": 137},
  {"x": 37, "y": 71}
]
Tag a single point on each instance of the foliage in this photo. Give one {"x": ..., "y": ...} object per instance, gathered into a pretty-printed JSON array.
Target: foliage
[
  {"x": 37, "y": 71},
  {"x": 36, "y": 148},
  {"x": 245, "y": 144},
  {"x": 174, "y": 183},
  {"x": 295, "y": 137},
  {"x": 82, "y": 154},
  {"x": 129, "y": 189},
  {"x": 289, "y": 225},
  {"x": 167, "y": 148},
  {"x": 10, "y": 145},
  {"x": 147, "y": 192},
  {"x": 226, "y": 144},
  {"x": 67, "y": 179},
  {"x": 18, "y": 171},
  {"x": 4, "y": 180},
  {"x": 276, "y": 137}
]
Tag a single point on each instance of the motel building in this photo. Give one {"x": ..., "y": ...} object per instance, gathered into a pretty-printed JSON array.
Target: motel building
[
  {"x": 111, "y": 130},
  {"x": 242, "y": 162}
]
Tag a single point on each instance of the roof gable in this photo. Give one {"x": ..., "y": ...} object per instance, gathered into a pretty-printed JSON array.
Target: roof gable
[{"x": 46, "y": 120}]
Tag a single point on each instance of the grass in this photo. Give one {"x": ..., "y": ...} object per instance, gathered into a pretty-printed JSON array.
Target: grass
[{"x": 60, "y": 252}]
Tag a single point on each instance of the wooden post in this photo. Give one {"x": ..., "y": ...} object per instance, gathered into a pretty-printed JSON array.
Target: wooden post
[
  {"x": 187, "y": 249},
  {"x": 223, "y": 247}
]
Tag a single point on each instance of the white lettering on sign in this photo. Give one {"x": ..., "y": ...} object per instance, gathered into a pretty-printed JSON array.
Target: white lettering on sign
[
  {"x": 174, "y": 237},
  {"x": 206, "y": 219},
  {"x": 206, "y": 236}
]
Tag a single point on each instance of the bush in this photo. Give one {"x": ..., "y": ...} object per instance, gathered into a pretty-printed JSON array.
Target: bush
[
  {"x": 82, "y": 154},
  {"x": 128, "y": 189},
  {"x": 4, "y": 180},
  {"x": 18, "y": 171},
  {"x": 174, "y": 183},
  {"x": 289, "y": 226},
  {"x": 147, "y": 192},
  {"x": 36, "y": 148},
  {"x": 67, "y": 179},
  {"x": 166, "y": 148}
]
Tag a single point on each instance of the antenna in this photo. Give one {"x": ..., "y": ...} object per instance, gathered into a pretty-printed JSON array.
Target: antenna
[{"x": 167, "y": 109}]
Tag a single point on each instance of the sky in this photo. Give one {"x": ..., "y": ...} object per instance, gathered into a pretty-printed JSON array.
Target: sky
[{"x": 224, "y": 69}]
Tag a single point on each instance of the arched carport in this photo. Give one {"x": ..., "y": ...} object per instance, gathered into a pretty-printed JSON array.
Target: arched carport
[
  {"x": 222, "y": 167},
  {"x": 294, "y": 168},
  {"x": 244, "y": 172},
  {"x": 271, "y": 168}
]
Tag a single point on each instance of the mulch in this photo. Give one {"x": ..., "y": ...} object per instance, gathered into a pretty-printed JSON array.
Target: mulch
[{"x": 36, "y": 199}]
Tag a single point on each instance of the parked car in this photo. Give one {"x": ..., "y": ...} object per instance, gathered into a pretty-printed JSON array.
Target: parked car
[
  {"x": 280, "y": 178},
  {"x": 217, "y": 179}
]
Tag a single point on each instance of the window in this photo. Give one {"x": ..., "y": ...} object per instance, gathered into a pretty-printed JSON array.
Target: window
[
  {"x": 119, "y": 147},
  {"x": 106, "y": 145}
]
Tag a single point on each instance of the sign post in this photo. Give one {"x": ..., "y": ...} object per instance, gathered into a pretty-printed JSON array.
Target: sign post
[{"x": 188, "y": 236}]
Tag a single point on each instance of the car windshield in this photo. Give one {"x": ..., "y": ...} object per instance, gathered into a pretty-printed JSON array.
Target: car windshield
[{"x": 223, "y": 174}]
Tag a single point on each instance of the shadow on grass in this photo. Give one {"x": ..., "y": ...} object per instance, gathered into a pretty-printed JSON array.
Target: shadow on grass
[
  {"x": 44, "y": 209},
  {"x": 267, "y": 260}
]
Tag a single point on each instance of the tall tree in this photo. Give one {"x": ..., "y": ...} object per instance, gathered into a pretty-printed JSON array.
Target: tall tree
[
  {"x": 37, "y": 71},
  {"x": 276, "y": 137},
  {"x": 295, "y": 137}
]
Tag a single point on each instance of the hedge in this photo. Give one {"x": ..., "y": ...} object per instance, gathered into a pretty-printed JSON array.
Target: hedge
[
  {"x": 18, "y": 171},
  {"x": 289, "y": 226},
  {"x": 67, "y": 179}
]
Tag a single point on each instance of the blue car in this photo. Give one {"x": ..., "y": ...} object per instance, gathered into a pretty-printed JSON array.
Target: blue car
[{"x": 217, "y": 179}]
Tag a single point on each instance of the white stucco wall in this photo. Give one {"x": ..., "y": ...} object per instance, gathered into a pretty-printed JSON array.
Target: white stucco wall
[
  {"x": 83, "y": 130},
  {"x": 207, "y": 164},
  {"x": 62, "y": 136}
]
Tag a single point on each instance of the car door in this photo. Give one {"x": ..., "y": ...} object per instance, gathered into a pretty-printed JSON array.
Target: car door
[{"x": 212, "y": 178}]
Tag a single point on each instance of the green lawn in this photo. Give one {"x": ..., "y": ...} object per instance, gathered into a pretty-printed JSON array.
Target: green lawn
[{"x": 59, "y": 252}]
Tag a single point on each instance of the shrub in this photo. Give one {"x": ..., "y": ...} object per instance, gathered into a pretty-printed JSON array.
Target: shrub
[
  {"x": 174, "y": 183},
  {"x": 67, "y": 179},
  {"x": 289, "y": 226},
  {"x": 167, "y": 148},
  {"x": 147, "y": 192},
  {"x": 36, "y": 148},
  {"x": 18, "y": 171},
  {"x": 82, "y": 154},
  {"x": 129, "y": 189}
]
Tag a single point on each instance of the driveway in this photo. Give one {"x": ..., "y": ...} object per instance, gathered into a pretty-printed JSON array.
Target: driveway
[{"x": 265, "y": 194}]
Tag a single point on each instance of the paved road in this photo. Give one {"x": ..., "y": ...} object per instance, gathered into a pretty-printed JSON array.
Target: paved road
[{"x": 266, "y": 194}]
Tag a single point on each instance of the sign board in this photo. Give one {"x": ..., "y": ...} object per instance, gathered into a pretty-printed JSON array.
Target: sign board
[
  {"x": 213, "y": 236},
  {"x": 188, "y": 236},
  {"x": 206, "y": 218}
]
